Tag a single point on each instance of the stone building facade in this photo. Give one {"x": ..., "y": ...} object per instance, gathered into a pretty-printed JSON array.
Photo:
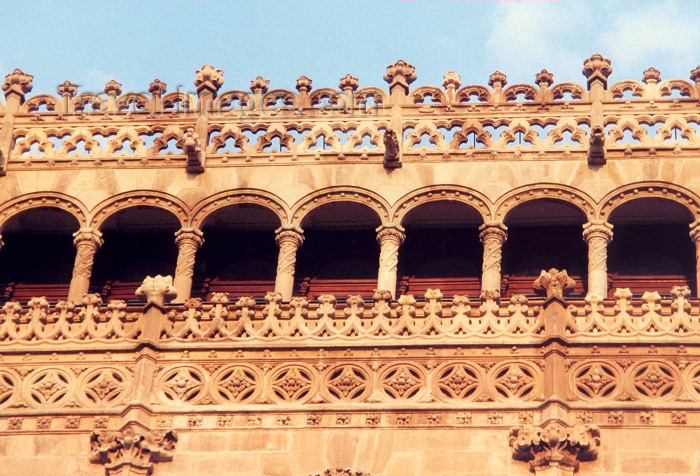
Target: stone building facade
[{"x": 455, "y": 280}]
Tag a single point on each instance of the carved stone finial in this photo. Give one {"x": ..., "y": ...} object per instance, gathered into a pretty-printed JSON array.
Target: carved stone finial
[
  {"x": 157, "y": 289},
  {"x": 131, "y": 451},
  {"x": 66, "y": 88},
  {"x": 208, "y": 80},
  {"x": 544, "y": 78},
  {"x": 259, "y": 85},
  {"x": 554, "y": 283},
  {"x": 157, "y": 87},
  {"x": 497, "y": 80},
  {"x": 555, "y": 445},
  {"x": 651, "y": 75},
  {"x": 113, "y": 87},
  {"x": 597, "y": 68},
  {"x": 695, "y": 75},
  {"x": 17, "y": 82},
  {"x": 400, "y": 74},
  {"x": 392, "y": 157},
  {"x": 451, "y": 79},
  {"x": 348, "y": 83},
  {"x": 596, "y": 146},
  {"x": 304, "y": 84}
]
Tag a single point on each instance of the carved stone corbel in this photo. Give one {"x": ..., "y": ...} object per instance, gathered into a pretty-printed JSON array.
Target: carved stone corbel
[
  {"x": 157, "y": 289},
  {"x": 392, "y": 150},
  {"x": 131, "y": 452},
  {"x": 555, "y": 449}
]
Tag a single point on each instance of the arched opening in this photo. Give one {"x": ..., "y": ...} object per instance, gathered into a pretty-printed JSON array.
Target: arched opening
[
  {"x": 651, "y": 249},
  {"x": 38, "y": 255},
  {"x": 543, "y": 234},
  {"x": 138, "y": 242},
  {"x": 442, "y": 250},
  {"x": 239, "y": 254},
  {"x": 340, "y": 254}
]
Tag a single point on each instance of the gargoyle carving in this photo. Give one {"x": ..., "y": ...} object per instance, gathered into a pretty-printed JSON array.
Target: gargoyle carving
[
  {"x": 392, "y": 158},
  {"x": 131, "y": 451},
  {"x": 555, "y": 445},
  {"x": 596, "y": 149}
]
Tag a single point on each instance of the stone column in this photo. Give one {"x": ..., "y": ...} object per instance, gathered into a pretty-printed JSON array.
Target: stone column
[
  {"x": 188, "y": 241},
  {"x": 87, "y": 241},
  {"x": 695, "y": 236},
  {"x": 597, "y": 234},
  {"x": 492, "y": 235},
  {"x": 389, "y": 237},
  {"x": 289, "y": 238}
]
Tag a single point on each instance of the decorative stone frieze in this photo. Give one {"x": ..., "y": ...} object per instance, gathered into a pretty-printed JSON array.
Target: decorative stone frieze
[
  {"x": 132, "y": 451},
  {"x": 555, "y": 446}
]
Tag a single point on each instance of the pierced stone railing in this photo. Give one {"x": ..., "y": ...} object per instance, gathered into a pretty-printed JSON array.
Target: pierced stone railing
[
  {"x": 380, "y": 320},
  {"x": 455, "y": 122}
]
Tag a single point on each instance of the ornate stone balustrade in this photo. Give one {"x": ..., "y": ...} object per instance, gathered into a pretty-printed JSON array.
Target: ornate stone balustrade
[
  {"x": 328, "y": 321},
  {"x": 455, "y": 122}
]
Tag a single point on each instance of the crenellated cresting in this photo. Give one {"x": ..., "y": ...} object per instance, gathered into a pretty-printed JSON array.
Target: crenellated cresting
[
  {"x": 329, "y": 321},
  {"x": 212, "y": 126}
]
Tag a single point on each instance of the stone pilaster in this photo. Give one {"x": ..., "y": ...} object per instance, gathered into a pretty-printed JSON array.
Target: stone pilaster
[
  {"x": 597, "y": 235},
  {"x": 492, "y": 235},
  {"x": 695, "y": 236},
  {"x": 289, "y": 239},
  {"x": 188, "y": 241},
  {"x": 389, "y": 237},
  {"x": 87, "y": 241}
]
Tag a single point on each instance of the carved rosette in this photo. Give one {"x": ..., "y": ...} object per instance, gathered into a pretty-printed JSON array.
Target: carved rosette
[
  {"x": 87, "y": 241},
  {"x": 554, "y": 283},
  {"x": 597, "y": 68},
  {"x": 597, "y": 235},
  {"x": 131, "y": 452},
  {"x": 157, "y": 289},
  {"x": 289, "y": 239},
  {"x": 188, "y": 241},
  {"x": 492, "y": 235},
  {"x": 555, "y": 445}
]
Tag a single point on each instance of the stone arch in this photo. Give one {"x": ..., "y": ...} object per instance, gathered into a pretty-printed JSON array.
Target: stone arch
[
  {"x": 436, "y": 193},
  {"x": 149, "y": 198},
  {"x": 661, "y": 190},
  {"x": 340, "y": 194},
  {"x": 211, "y": 204},
  {"x": 44, "y": 200},
  {"x": 526, "y": 193}
]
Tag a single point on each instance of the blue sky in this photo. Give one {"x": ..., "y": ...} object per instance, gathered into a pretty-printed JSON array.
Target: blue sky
[{"x": 135, "y": 42}]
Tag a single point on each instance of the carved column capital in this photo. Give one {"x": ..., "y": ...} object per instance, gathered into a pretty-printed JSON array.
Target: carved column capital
[
  {"x": 131, "y": 451},
  {"x": 391, "y": 232},
  {"x": 695, "y": 231},
  {"x": 555, "y": 445},
  {"x": 189, "y": 236},
  {"x": 289, "y": 234},
  {"x": 88, "y": 236},
  {"x": 597, "y": 229},
  {"x": 157, "y": 289},
  {"x": 493, "y": 230}
]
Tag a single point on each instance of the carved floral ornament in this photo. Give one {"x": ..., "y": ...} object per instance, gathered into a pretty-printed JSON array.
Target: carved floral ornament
[
  {"x": 18, "y": 83},
  {"x": 555, "y": 445},
  {"x": 132, "y": 451}
]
